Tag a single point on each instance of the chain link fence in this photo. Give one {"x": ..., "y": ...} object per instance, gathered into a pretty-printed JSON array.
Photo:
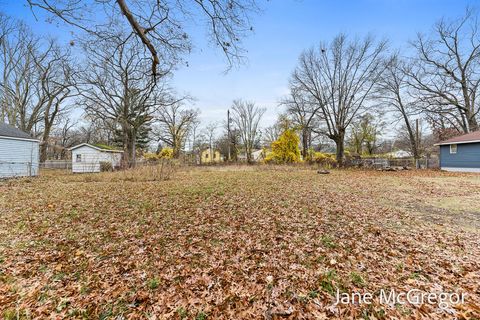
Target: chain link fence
[
  {"x": 17, "y": 169},
  {"x": 381, "y": 163}
]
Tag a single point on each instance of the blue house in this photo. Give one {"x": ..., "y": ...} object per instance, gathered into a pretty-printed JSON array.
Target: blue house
[{"x": 461, "y": 153}]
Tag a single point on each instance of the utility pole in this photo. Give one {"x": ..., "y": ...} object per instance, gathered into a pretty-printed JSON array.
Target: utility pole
[{"x": 228, "y": 134}]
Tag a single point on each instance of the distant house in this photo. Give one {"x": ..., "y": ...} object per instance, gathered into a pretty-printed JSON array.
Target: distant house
[
  {"x": 257, "y": 155},
  {"x": 88, "y": 158},
  {"x": 19, "y": 153},
  {"x": 461, "y": 153},
  {"x": 210, "y": 156},
  {"x": 400, "y": 154}
]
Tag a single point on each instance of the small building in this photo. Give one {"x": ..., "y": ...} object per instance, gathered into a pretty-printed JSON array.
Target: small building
[
  {"x": 19, "y": 153},
  {"x": 399, "y": 154},
  {"x": 461, "y": 153},
  {"x": 258, "y": 155},
  {"x": 210, "y": 156},
  {"x": 88, "y": 157}
]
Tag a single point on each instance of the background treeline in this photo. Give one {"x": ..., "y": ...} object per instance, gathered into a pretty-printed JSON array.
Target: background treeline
[{"x": 350, "y": 93}]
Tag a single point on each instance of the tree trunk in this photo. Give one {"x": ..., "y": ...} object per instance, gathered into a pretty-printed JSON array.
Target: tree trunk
[
  {"x": 133, "y": 150},
  {"x": 126, "y": 148},
  {"x": 248, "y": 150},
  {"x": 340, "y": 143},
  {"x": 44, "y": 143},
  {"x": 305, "y": 143},
  {"x": 412, "y": 137},
  {"x": 472, "y": 123}
]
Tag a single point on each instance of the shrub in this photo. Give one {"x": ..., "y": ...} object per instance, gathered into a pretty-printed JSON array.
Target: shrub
[
  {"x": 166, "y": 153},
  {"x": 285, "y": 149},
  {"x": 106, "y": 166},
  {"x": 150, "y": 156},
  {"x": 325, "y": 159}
]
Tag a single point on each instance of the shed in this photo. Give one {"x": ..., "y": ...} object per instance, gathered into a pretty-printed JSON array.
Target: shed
[
  {"x": 461, "y": 153},
  {"x": 19, "y": 153},
  {"x": 88, "y": 157}
]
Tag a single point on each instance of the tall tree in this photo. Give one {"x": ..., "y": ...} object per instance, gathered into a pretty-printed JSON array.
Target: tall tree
[
  {"x": 174, "y": 123},
  {"x": 159, "y": 25},
  {"x": 339, "y": 78},
  {"x": 38, "y": 78},
  {"x": 446, "y": 72},
  {"x": 56, "y": 85},
  {"x": 304, "y": 115},
  {"x": 246, "y": 117},
  {"x": 21, "y": 106},
  {"x": 116, "y": 91},
  {"x": 396, "y": 95}
]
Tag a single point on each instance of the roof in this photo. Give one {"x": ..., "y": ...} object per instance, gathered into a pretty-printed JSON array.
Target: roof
[
  {"x": 7, "y": 130},
  {"x": 99, "y": 147},
  {"x": 471, "y": 137}
]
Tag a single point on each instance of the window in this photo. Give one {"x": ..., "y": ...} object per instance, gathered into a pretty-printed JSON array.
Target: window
[
  {"x": 206, "y": 155},
  {"x": 453, "y": 148},
  {"x": 214, "y": 156},
  {"x": 79, "y": 158}
]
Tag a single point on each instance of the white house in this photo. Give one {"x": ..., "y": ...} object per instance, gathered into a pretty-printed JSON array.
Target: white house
[
  {"x": 87, "y": 157},
  {"x": 19, "y": 153},
  {"x": 257, "y": 156}
]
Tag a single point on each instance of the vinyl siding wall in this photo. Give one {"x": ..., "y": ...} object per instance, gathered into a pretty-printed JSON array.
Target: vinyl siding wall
[
  {"x": 18, "y": 158},
  {"x": 91, "y": 159},
  {"x": 467, "y": 156}
]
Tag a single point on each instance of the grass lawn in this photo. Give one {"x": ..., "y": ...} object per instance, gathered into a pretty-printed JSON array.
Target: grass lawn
[{"x": 237, "y": 243}]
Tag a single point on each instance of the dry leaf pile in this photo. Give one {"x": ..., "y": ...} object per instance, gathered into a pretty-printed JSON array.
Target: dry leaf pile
[{"x": 226, "y": 244}]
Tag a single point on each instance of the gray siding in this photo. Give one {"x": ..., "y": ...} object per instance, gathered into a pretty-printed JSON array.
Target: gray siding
[
  {"x": 18, "y": 158},
  {"x": 467, "y": 156}
]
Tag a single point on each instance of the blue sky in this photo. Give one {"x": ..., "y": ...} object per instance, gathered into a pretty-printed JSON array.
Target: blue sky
[{"x": 281, "y": 32}]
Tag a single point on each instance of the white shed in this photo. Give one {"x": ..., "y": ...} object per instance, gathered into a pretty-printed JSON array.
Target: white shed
[
  {"x": 19, "y": 153},
  {"x": 87, "y": 157}
]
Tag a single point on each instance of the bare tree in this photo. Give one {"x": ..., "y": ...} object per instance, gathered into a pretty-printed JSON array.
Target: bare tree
[
  {"x": 365, "y": 133},
  {"x": 271, "y": 134},
  {"x": 210, "y": 133},
  {"x": 159, "y": 25},
  {"x": 37, "y": 80},
  {"x": 304, "y": 116},
  {"x": 246, "y": 117},
  {"x": 56, "y": 85},
  {"x": 21, "y": 106},
  {"x": 396, "y": 95},
  {"x": 174, "y": 123},
  {"x": 339, "y": 78},
  {"x": 116, "y": 91},
  {"x": 446, "y": 72}
]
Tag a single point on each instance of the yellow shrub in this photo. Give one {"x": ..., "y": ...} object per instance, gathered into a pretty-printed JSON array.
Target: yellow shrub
[
  {"x": 285, "y": 149},
  {"x": 269, "y": 158},
  {"x": 150, "y": 156},
  {"x": 166, "y": 153},
  {"x": 325, "y": 159}
]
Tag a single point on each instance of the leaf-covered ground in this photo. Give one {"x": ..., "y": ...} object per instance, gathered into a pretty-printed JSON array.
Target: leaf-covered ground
[{"x": 240, "y": 243}]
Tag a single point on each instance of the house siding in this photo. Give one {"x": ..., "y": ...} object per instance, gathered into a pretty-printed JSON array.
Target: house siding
[
  {"x": 208, "y": 156},
  {"x": 467, "y": 156},
  {"x": 91, "y": 159},
  {"x": 18, "y": 158}
]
